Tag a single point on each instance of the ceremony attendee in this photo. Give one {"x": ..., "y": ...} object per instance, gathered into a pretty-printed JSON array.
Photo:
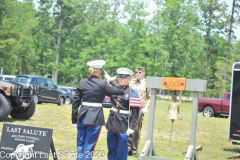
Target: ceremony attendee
[
  {"x": 140, "y": 84},
  {"x": 90, "y": 118},
  {"x": 119, "y": 123}
]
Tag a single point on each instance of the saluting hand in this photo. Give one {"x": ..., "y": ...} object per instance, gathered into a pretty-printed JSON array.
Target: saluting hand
[
  {"x": 113, "y": 78},
  {"x": 108, "y": 78},
  {"x": 106, "y": 75}
]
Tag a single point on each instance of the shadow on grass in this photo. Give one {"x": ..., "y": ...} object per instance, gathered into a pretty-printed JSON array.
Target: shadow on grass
[
  {"x": 10, "y": 120},
  {"x": 236, "y": 150}
]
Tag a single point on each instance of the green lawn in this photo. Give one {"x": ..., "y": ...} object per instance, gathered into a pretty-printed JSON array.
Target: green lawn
[{"x": 212, "y": 133}]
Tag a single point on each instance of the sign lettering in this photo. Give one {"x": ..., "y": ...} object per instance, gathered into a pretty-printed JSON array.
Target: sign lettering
[{"x": 25, "y": 143}]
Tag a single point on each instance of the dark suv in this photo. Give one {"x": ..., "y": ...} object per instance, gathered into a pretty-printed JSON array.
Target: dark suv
[
  {"x": 70, "y": 93},
  {"x": 48, "y": 91}
]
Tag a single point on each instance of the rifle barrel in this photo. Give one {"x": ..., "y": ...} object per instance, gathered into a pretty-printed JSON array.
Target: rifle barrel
[{"x": 234, "y": 157}]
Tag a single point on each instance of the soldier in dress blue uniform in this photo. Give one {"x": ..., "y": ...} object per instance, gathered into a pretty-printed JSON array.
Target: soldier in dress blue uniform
[
  {"x": 90, "y": 118},
  {"x": 119, "y": 124}
]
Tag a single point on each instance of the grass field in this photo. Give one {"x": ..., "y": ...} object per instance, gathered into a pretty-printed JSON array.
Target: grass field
[{"x": 212, "y": 133}]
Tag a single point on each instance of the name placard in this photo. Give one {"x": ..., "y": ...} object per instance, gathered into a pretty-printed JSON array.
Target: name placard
[
  {"x": 24, "y": 143},
  {"x": 169, "y": 83}
]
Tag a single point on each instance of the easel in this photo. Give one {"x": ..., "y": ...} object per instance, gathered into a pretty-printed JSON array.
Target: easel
[
  {"x": 190, "y": 85},
  {"x": 53, "y": 150}
]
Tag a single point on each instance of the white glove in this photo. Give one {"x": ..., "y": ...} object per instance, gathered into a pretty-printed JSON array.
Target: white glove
[
  {"x": 108, "y": 78},
  {"x": 129, "y": 131},
  {"x": 113, "y": 78},
  {"x": 145, "y": 110},
  {"x": 75, "y": 125}
]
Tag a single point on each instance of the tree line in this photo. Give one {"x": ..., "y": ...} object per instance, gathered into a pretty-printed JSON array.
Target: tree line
[{"x": 180, "y": 38}]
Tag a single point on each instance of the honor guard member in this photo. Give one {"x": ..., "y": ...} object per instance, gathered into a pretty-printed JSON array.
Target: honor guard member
[
  {"x": 119, "y": 124},
  {"x": 138, "y": 83},
  {"x": 90, "y": 118}
]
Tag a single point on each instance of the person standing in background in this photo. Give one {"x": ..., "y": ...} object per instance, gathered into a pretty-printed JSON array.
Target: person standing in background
[
  {"x": 140, "y": 84},
  {"x": 90, "y": 118}
]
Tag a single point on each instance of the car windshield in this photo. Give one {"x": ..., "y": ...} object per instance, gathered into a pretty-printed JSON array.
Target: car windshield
[{"x": 24, "y": 80}]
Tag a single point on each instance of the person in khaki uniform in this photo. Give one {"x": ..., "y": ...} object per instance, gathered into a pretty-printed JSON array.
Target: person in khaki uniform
[{"x": 138, "y": 83}]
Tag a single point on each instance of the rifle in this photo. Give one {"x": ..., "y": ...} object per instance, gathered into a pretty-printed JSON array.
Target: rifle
[
  {"x": 234, "y": 157},
  {"x": 198, "y": 148}
]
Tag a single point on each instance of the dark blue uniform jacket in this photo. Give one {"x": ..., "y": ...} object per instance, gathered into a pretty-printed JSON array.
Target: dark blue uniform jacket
[
  {"x": 119, "y": 122},
  {"x": 92, "y": 90}
]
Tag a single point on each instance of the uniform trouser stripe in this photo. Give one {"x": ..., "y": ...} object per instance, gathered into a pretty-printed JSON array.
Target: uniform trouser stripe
[
  {"x": 87, "y": 138},
  {"x": 117, "y": 146}
]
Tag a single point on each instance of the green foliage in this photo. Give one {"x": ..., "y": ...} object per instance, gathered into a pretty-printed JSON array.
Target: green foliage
[
  {"x": 180, "y": 38},
  {"x": 16, "y": 41},
  {"x": 2, "y": 10}
]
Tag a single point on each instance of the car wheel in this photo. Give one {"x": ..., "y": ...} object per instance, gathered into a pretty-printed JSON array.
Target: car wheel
[
  {"x": 24, "y": 113},
  {"x": 208, "y": 111},
  {"x": 60, "y": 101},
  {"x": 68, "y": 100},
  {"x": 35, "y": 99},
  {"x": 5, "y": 107}
]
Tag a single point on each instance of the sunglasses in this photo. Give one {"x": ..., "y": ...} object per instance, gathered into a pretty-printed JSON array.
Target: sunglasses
[
  {"x": 139, "y": 72},
  {"x": 123, "y": 76}
]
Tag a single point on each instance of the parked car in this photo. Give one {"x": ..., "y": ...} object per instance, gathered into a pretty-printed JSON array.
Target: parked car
[
  {"x": 214, "y": 107},
  {"x": 7, "y": 77},
  {"x": 107, "y": 102},
  {"x": 48, "y": 91},
  {"x": 70, "y": 93}
]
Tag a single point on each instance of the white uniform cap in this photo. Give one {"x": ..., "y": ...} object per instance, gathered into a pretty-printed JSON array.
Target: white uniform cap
[
  {"x": 96, "y": 64},
  {"x": 124, "y": 71}
]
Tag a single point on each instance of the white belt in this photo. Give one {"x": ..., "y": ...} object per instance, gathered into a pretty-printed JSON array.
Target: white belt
[
  {"x": 92, "y": 104},
  {"x": 119, "y": 111}
]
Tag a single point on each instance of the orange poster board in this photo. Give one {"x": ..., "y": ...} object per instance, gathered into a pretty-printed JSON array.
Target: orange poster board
[{"x": 170, "y": 83}]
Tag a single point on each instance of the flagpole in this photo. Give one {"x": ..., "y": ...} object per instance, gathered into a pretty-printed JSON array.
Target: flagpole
[{"x": 129, "y": 106}]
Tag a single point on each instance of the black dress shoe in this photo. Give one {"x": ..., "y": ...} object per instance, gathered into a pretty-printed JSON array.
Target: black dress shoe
[{"x": 130, "y": 153}]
